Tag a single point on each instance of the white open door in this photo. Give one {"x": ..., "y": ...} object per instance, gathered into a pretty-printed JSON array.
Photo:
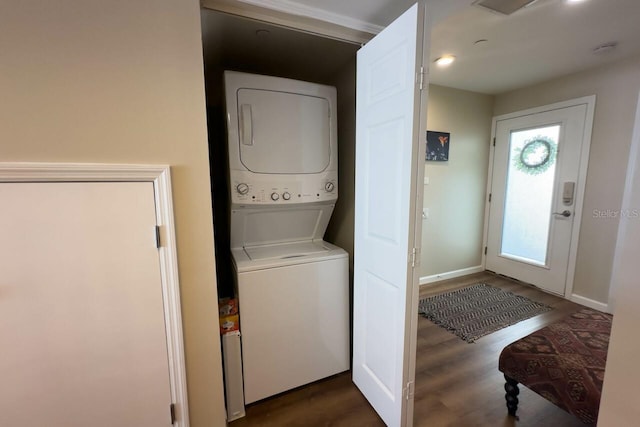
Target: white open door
[{"x": 390, "y": 149}]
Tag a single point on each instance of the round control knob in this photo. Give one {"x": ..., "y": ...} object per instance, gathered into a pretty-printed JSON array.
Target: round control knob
[
  {"x": 242, "y": 188},
  {"x": 329, "y": 187},
  {"x": 286, "y": 196},
  {"x": 275, "y": 196}
]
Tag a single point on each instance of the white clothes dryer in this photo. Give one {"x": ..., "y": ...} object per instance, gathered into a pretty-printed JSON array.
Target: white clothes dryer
[
  {"x": 282, "y": 138},
  {"x": 292, "y": 287}
]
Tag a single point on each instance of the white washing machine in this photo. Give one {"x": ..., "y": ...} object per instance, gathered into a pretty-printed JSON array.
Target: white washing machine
[
  {"x": 294, "y": 315},
  {"x": 292, "y": 287}
]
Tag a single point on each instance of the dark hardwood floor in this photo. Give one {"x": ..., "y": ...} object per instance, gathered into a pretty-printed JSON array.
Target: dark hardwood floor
[{"x": 457, "y": 384}]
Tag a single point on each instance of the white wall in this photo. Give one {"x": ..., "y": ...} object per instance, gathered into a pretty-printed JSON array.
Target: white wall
[
  {"x": 455, "y": 195},
  {"x": 616, "y": 88},
  {"x": 619, "y": 404},
  {"x": 122, "y": 82}
]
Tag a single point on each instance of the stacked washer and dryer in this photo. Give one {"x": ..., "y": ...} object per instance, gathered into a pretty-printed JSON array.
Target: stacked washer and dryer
[{"x": 292, "y": 286}]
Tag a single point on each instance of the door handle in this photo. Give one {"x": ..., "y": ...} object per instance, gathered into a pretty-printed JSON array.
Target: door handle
[
  {"x": 565, "y": 213},
  {"x": 246, "y": 124}
]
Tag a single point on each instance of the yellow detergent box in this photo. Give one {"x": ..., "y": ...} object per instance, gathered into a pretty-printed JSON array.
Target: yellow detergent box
[{"x": 229, "y": 324}]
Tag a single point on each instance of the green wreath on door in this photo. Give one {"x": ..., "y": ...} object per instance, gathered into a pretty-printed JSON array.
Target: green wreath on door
[{"x": 536, "y": 156}]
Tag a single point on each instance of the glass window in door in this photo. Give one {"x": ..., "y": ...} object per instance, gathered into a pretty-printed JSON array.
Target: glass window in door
[{"x": 529, "y": 194}]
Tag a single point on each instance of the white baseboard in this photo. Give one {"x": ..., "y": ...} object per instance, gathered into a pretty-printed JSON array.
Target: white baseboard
[
  {"x": 596, "y": 305},
  {"x": 451, "y": 275}
]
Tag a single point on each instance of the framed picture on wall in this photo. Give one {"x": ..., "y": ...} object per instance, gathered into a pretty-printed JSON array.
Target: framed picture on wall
[{"x": 438, "y": 146}]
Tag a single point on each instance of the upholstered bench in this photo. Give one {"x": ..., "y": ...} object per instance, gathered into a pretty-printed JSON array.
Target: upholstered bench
[{"x": 563, "y": 362}]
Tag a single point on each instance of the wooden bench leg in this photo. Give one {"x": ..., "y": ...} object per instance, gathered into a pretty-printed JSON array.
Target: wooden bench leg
[{"x": 511, "y": 387}]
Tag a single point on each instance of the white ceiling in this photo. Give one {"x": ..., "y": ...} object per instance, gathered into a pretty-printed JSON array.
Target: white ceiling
[
  {"x": 548, "y": 39},
  {"x": 551, "y": 38}
]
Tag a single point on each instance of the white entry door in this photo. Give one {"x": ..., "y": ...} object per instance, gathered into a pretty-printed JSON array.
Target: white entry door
[
  {"x": 539, "y": 168},
  {"x": 390, "y": 149},
  {"x": 81, "y": 307}
]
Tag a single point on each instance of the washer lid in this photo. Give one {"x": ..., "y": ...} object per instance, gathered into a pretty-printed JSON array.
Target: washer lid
[
  {"x": 286, "y": 250},
  {"x": 287, "y": 254}
]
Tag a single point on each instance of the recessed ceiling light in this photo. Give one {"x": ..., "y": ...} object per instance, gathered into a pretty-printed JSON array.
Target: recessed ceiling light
[
  {"x": 445, "y": 60},
  {"x": 575, "y": 1}
]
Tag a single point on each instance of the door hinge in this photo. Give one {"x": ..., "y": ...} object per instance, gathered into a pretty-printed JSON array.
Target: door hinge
[
  {"x": 415, "y": 257},
  {"x": 172, "y": 411},
  {"x": 494, "y": 141},
  {"x": 485, "y": 250},
  {"x": 421, "y": 78},
  {"x": 489, "y": 197},
  {"x": 409, "y": 391},
  {"x": 158, "y": 236}
]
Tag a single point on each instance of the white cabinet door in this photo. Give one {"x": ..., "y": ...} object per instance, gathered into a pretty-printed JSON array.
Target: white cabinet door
[
  {"x": 81, "y": 306},
  {"x": 390, "y": 147}
]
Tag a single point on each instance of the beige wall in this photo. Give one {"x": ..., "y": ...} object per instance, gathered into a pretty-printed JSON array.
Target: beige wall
[
  {"x": 122, "y": 82},
  {"x": 619, "y": 395},
  {"x": 616, "y": 89},
  {"x": 452, "y": 235}
]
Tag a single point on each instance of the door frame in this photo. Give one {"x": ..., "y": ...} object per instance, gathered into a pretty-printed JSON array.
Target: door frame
[
  {"x": 160, "y": 176},
  {"x": 423, "y": 50},
  {"x": 590, "y": 102}
]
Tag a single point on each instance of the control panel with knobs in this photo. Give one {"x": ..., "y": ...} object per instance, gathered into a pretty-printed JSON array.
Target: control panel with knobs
[
  {"x": 245, "y": 190},
  {"x": 242, "y": 188}
]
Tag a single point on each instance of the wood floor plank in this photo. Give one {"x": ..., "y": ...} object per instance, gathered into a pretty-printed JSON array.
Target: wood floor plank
[{"x": 457, "y": 384}]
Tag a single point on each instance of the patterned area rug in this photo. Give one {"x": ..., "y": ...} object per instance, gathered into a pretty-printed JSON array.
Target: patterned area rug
[{"x": 478, "y": 310}]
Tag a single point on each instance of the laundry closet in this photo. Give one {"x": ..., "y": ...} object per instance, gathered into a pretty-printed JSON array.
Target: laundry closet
[
  {"x": 269, "y": 235},
  {"x": 239, "y": 44}
]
